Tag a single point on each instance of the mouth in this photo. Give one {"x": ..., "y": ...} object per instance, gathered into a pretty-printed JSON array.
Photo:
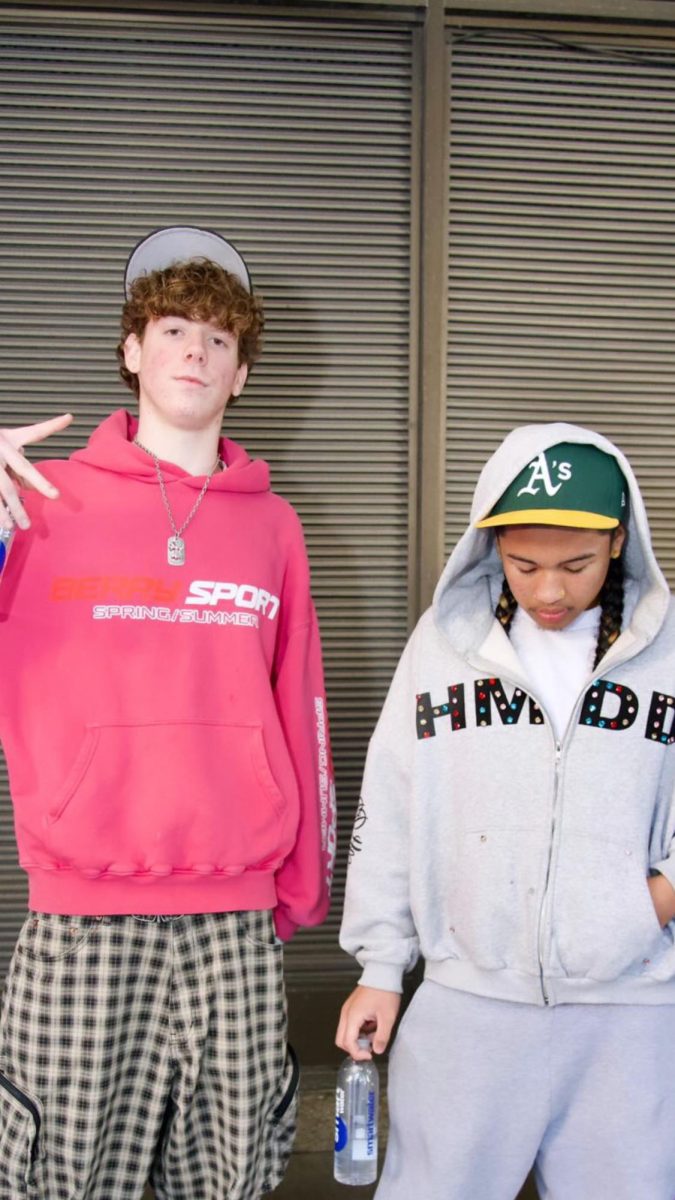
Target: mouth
[
  {"x": 192, "y": 379},
  {"x": 550, "y": 616}
]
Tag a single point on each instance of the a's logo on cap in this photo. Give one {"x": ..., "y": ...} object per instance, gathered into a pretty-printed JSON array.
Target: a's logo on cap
[{"x": 542, "y": 474}]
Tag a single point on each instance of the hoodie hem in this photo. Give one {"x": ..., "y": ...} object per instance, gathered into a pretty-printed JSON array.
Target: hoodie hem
[
  {"x": 511, "y": 985},
  {"x": 68, "y": 893}
]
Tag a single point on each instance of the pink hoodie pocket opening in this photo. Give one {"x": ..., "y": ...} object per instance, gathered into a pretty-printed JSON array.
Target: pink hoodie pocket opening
[{"x": 176, "y": 796}]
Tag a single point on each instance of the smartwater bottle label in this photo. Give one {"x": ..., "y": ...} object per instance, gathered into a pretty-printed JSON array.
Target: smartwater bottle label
[
  {"x": 364, "y": 1147},
  {"x": 341, "y": 1135},
  {"x": 6, "y": 539},
  {"x": 361, "y": 1153}
]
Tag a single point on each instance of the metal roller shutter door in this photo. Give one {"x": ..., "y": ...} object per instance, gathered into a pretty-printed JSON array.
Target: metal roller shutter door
[
  {"x": 293, "y": 137},
  {"x": 561, "y": 251}
]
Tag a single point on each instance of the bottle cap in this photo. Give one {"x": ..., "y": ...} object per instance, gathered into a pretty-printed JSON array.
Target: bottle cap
[{"x": 363, "y": 1042}]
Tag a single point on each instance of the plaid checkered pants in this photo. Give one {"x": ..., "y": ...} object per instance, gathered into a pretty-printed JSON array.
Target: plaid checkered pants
[{"x": 145, "y": 1048}]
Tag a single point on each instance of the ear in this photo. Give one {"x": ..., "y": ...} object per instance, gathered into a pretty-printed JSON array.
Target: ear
[
  {"x": 240, "y": 379},
  {"x": 132, "y": 354},
  {"x": 618, "y": 539}
]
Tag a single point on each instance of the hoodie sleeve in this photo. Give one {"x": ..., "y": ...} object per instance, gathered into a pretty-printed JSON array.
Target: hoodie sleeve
[
  {"x": 303, "y": 882},
  {"x": 666, "y": 866},
  {"x": 377, "y": 926}
]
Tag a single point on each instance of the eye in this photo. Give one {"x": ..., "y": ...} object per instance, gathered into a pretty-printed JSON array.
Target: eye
[
  {"x": 575, "y": 570},
  {"x": 173, "y": 330},
  {"x": 527, "y": 570}
]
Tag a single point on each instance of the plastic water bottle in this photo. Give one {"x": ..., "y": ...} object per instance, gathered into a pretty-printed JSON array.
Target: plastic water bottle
[
  {"x": 6, "y": 539},
  {"x": 356, "y": 1104}
]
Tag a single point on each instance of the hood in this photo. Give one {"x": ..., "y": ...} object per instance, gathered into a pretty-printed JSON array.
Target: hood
[
  {"x": 468, "y": 590},
  {"x": 111, "y": 448}
]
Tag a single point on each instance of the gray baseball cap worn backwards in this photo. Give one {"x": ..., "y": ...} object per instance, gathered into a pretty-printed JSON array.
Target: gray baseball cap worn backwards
[{"x": 180, "y": 243}]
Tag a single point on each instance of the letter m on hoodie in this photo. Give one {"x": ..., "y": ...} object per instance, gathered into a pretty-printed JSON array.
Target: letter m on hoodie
[{"x": 489, "y": 692}]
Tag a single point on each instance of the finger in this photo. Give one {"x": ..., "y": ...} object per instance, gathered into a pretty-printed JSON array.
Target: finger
[
  {"x": 382, "y": 1035},
  {"x": 352, "y": 1034},
  {"x": 343, "y": 1025},
  {"x": 27, "y": 434},
  {"x": 21, "y": 467},
  {"x": 344, "y": 1038}
]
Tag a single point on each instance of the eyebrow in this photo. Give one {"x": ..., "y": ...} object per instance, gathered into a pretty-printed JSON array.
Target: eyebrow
[{"x": 566, "y": 562}]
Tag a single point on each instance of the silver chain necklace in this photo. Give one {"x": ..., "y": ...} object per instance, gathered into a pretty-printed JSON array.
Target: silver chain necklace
[{"x": 175, "y": 546}]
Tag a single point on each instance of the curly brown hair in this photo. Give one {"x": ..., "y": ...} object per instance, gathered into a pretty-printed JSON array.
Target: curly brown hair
[{"x": 197, "y": 290}]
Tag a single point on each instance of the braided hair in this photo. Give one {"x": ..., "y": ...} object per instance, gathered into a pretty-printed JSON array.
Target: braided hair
[
  {"x": 506, "y": 606},
  {"x": 611, "y": 601}
]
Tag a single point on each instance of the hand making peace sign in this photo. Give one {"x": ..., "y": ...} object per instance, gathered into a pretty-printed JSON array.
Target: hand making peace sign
[{"x": 15, "y": 466}]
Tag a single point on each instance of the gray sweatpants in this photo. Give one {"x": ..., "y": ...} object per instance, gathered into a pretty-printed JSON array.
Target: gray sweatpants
[{"x": 480, "y": 1090}]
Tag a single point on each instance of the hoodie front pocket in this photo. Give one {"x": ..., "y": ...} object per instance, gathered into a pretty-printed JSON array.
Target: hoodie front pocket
[
  {"x": 20, "y": 1123},
  {"x": 492, "y": 909},
  {"x": 192, "y": 796},
  {"x": 604, "y": 920}
]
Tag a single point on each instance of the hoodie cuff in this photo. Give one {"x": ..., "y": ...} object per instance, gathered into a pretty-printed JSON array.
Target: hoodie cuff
[
  {"x": 386, "y": 976},
  {"x": 666, "y": 868},
  {"x": 284, "y": 927}
]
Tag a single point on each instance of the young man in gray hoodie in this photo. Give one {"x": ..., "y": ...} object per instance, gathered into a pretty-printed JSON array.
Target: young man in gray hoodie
[{"x": 517, "y": 829}]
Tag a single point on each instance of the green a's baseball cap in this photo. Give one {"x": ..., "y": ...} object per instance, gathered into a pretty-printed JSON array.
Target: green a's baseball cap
[{"x": 570, "y": 484}]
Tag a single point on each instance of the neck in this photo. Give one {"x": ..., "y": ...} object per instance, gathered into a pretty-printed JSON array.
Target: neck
[{"x": 194, "y": 451}]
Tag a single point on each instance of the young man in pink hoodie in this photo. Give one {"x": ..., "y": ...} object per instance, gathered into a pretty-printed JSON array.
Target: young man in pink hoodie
[{"x": 162, "y": 711}]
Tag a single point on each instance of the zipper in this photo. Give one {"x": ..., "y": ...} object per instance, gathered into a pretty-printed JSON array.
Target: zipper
[
  {"x": 554, "y": 812},
  {"x": 292, "y": 1088},
  {"x": 30, "y": 1107},
  {"x": 557, "y": 758},
  {"x": 498, "y": 669},
  {"x": 558, "y": 746}
]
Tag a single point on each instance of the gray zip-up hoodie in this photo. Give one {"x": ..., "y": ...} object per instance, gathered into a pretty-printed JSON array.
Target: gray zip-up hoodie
[{"x": 515, "y": 865}]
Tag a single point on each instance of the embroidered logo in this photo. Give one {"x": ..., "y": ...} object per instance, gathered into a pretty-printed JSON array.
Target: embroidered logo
[
  {"x": 542, "y": 475},
  {"x": 360, "y": 819}
]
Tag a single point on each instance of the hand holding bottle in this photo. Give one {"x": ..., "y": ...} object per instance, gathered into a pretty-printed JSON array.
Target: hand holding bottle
[{"x": 370, "y": 1010}]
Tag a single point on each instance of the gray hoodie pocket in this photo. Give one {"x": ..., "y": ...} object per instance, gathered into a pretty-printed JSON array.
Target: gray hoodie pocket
[
  {"x": 604, "y": 923},
  {"x": 493, "y": 893}
]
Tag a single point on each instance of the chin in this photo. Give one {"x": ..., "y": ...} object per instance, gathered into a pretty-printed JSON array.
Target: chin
[{"x": 189, "y": 415}]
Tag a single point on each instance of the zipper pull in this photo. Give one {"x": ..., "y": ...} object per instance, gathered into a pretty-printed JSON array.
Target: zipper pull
[{"x": 558, "y": 753}]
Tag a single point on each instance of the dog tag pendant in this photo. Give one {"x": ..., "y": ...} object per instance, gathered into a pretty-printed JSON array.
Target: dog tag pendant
[{"x": 176, "y": 551}]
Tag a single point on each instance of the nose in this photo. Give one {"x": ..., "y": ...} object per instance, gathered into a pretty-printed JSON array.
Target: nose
[
  {"x": 550, "y": 588},
  {"x": 195, "y": 348}
]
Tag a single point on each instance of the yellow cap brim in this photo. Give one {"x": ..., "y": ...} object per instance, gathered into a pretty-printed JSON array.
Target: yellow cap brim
[{"x": 551, "y": 516}]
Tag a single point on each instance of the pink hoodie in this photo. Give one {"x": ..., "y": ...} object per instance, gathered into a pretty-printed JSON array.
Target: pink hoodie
[{"x": 165, "y": 727}]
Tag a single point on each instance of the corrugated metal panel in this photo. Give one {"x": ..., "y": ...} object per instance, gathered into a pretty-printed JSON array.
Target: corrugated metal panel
[
  {"x": 297, "y": 144},
  {"x": 562, "y": 252}
]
